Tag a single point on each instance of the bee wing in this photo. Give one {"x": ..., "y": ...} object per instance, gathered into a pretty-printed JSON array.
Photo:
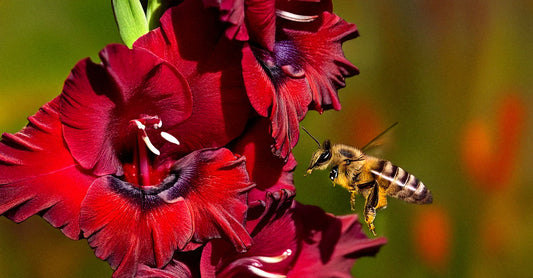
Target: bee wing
[{"x": 373, "y": 143}]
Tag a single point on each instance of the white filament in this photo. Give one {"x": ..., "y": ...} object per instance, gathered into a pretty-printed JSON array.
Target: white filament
[
  {"x": 149, "y": 144},
  {"x": 272, "y": 260}
]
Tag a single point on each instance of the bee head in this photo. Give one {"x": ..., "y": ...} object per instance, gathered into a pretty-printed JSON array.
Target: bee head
[{"x": 321, "y": 157}]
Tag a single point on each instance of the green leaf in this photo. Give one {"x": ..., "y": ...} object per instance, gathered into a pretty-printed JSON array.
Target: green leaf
[{"x": 131, "y": 20}]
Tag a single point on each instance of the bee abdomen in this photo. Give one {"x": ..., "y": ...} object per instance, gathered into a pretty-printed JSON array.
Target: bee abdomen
[{"x": 400, "y": 184}]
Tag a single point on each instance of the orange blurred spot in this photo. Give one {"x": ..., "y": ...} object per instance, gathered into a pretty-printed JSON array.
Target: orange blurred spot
[
  {"x": 476, "y": 150},
  {"x": 511, "y": 126},
  {"x": 432, "y": 237},
  {"x": 490, "y": 158},
  {"x": 368, "y": 125}
]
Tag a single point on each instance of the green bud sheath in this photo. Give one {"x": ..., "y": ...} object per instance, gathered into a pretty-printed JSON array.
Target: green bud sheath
[{"x": 131, "y": 20}]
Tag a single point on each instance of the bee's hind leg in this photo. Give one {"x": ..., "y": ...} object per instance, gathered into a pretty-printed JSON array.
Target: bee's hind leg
[
  {"x": 370, "y": 215},
  {"x": 370, "y": 208}
]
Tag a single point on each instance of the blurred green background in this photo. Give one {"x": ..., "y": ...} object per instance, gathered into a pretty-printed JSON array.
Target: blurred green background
[{"x": 457, "y": 75}]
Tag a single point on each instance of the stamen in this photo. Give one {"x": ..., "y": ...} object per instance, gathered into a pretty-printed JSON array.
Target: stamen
[
  {"x": 257, "y": 264},
  {"x": 272, "y": 260},
  {"x": 144, "y": 135},
  {"x": 149, "y": 144},
  {"x": 261, "y": 273},
  {"x": 145, "y": 175},
  {"x": 139, "y": 124},
  {"x": 167, "y": 136},
  {"x": 295, "y": 17}
]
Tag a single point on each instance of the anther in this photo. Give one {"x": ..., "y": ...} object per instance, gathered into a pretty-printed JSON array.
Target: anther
[
  {"x": 167, "y": 136},
  {"x": 144, "y": 136},
  {"x": 295, "y": 17},
  {"x": 156, "y": 125}
]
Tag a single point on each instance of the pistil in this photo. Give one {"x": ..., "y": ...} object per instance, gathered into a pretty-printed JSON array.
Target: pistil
[{"x": 142, "y": 161}]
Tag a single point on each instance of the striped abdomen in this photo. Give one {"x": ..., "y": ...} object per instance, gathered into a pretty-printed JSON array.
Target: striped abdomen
[{"x": 399, "y": 184}]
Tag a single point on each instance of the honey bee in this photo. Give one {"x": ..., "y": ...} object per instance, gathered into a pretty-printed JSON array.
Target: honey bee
[{"x": 373, "y": 178}]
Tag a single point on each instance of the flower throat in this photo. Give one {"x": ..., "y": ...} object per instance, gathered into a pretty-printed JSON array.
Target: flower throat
[{"x": 141, "y": 172}]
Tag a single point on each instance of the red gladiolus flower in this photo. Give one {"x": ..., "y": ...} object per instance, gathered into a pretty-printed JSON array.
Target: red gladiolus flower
[
  {"x": 305, "y": 68},
  {"x": 293, "y": 59},
  {"x": 90, "y": 162},
  {"x": 144, "y": 153},
  {"x": 292, "y": 240},
  {"x": 191, "y": 39}
]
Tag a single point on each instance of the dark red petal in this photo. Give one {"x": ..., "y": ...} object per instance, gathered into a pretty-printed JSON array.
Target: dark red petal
[
  {"x": 261, "y": 22},
  {"x": 287, "y": 112},
  {"x": 128, "y": 227},
  {"x": 274, "y": 235},
  {"x": 203, "y": 197},
  {"x": 267, "y": 171},
  {"x": 276, "y": 203},
  {"x": 183, "y": 264},
  {"x": 248, "y": 19},
  {"x": 99, "y": 101},
  {"x": 172, "y": 270},
  {"x": 274, "y": 94},
  {"x": 305, "y": 7},
  {"x": 232, "y": 12},
  {"x": 216, "y": 196},
  {"x": 38, "y": 174},
  {"x": 259, "y": 87},
  {"x": 324, "y": 63},
  {"x": 211, "y": 64},
  {"x": 330, "y": 245}
]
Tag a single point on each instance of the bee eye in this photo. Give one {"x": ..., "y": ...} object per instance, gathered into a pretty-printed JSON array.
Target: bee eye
[
  {"x": 324, "y": 157},
  {"x": 334, "y": 173}
]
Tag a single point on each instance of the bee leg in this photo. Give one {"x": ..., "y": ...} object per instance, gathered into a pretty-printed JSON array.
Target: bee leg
[
  {"x": 353, "y": 194},
  {"x": 370, "y": 208},
  {"x": 370, "y": 215}
]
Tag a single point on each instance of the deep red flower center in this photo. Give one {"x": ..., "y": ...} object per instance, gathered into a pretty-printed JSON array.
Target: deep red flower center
[{"x": 142, "y": 172}]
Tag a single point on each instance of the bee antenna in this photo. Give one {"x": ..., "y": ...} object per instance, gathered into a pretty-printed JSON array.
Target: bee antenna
[
  {"x": 379, "y": 135},
  {"x": 311, "y": 135}
]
